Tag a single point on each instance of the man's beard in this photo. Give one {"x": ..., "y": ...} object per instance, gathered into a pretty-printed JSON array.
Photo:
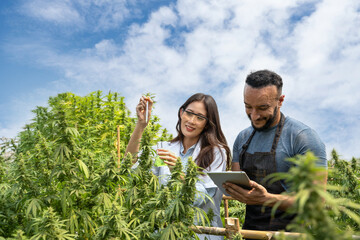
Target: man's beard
[{"x": 268, "y": 123}]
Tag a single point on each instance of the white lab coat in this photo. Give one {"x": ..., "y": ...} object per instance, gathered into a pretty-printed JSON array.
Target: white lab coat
[{"x": 218, "y": 165}]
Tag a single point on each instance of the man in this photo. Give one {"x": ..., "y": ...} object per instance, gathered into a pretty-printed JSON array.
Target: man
[{"x": 262, "y": 149}]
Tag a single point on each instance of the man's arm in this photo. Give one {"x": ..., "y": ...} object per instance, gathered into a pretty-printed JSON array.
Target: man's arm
[
  {"x": 235, "y": 166},
  {"x": 258, "y": 195},
  {"x": 237, "y": 147},
  {"x": 309, "y": 140}
]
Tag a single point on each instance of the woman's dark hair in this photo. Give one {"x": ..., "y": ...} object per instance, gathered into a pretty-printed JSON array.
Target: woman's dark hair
[{"x": 212, "y": 135}]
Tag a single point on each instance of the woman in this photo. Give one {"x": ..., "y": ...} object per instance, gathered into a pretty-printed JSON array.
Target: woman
[{"x": 199, "y": 136}]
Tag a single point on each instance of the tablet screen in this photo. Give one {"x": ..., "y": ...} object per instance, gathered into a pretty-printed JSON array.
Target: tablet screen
[{"x": 239, "y": 177}]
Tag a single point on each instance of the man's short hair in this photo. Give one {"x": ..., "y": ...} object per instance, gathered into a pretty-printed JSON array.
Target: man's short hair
[{"x": 264, "y": 78}]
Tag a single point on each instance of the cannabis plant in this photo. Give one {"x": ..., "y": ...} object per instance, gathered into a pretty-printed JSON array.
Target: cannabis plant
[
  {"x": 314, "y": 206},
  {"x": 65, "y": 178}
]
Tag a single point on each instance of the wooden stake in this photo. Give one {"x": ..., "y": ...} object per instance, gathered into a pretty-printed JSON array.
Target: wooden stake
[
  {"x": 232, "y": 226},
  {"x": 226, "y": 204},
  {"x": 209, "y": 230},
  {"x": 226, "y": 207},
  {"x": 118, "y": 145},
  {"x": 119, "y": 157}
]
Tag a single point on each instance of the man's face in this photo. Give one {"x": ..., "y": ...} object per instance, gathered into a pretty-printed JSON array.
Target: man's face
[{"x": 262, "y": 106}]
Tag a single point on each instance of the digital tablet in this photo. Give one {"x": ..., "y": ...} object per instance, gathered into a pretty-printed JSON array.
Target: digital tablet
[{"x": 239, "y": 177}]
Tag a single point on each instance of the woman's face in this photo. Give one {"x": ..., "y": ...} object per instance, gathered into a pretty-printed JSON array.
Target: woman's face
[{"x": 193, "y": 120}]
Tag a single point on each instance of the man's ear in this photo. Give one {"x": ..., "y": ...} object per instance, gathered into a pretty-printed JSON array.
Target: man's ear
[{"x": 281, "y": 100}]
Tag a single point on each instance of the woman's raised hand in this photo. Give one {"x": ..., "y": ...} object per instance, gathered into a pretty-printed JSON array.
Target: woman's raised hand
[
  {"x": 134, "y": 143},
  {"x": 141, "y": 110}
]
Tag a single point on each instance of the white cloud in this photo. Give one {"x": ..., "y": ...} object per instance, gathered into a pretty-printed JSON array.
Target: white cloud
[
  {"x": 61, "y": 12},
  {"x": 210, "y": 46},
  {"x": 103, "y": 14},
  {"x": 324, "y": 34},
  {"x": 327, "y": 53},
  {"x": 93, "y": 15}
]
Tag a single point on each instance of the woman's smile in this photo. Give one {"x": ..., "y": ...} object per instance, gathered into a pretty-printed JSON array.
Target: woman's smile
[{"x": 189, "y": 128}]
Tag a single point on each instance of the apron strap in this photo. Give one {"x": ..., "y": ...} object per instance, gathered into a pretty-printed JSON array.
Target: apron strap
[
  {"x": 275, "y": 142},
  {"x": 245, "y": 147},
  {"x": 278, "y": 133}
]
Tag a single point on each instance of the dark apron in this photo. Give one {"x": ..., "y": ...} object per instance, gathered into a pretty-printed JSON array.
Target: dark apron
[{"x": 257, "y": 166}]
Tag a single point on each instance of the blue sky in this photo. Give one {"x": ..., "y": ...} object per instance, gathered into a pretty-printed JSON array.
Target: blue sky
[{"x": 177, "y": 48}]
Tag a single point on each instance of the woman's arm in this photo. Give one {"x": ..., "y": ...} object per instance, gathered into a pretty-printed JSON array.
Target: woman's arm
[{"x": 134, "y": 143}]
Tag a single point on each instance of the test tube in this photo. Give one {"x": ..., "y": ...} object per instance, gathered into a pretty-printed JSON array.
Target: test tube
[{"x": 147, "y": 111}]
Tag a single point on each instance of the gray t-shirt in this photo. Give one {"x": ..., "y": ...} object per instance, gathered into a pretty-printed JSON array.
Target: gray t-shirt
[{"x": 296, "y": 138}]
